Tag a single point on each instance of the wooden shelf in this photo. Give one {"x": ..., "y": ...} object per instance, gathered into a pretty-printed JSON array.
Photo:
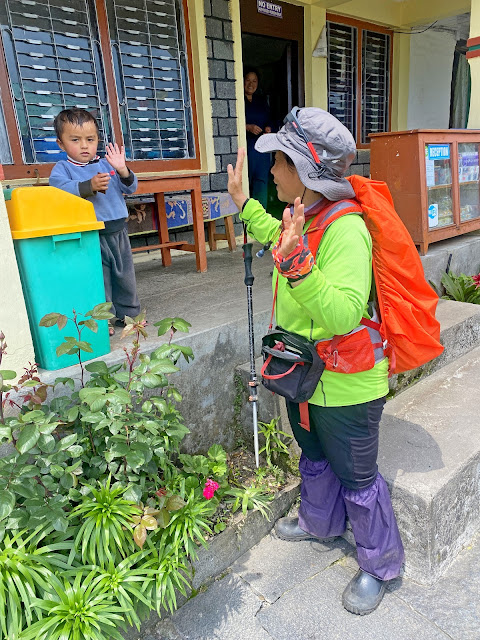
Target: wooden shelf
[
  {"x": 441, "y": 186},
  {"x": 398, "y": 158}
]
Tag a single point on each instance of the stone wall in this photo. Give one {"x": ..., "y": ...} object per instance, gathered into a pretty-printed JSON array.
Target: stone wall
[
  {"x": 361, "y": 166},
  {"x": 219, "y": 35}
]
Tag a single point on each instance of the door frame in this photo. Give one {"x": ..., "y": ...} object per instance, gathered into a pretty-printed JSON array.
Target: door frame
[{"x": 289, "y": 27}]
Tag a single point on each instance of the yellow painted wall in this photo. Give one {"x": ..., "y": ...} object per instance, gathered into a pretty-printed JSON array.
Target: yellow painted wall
[
  {"x": 13, "y": 315},
  {"x": 316, "y": 94},
  {"x": 384, "y": 12},
  {"x": 474, "y": 115},
  {"x": 202, "y": 85},
  {"x": 239, "y": 95},
  {"x": 400, "y": 81},
  {"x": 416, "y": 12}
]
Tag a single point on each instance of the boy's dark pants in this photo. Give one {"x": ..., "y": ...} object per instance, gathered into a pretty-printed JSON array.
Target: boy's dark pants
[
  {"x": 118, "y": 270},
  {"x": 340, "y": 478}
]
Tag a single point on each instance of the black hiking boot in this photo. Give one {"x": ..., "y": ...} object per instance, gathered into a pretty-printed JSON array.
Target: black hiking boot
[
  {"x": 288, "y": 529},
  {"x": 363, "y": 593}
]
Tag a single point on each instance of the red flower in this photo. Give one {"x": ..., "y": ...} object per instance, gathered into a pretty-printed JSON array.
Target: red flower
[
  {"x": 161, "y": 493},
  {"x": 209, "y": 490},
  {"x": 476, "y": 280}
]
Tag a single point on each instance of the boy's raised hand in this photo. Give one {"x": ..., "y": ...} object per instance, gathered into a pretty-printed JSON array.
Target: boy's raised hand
[
  {"x": 115, "y": 156},
  {"x": 235, "y": 180}
]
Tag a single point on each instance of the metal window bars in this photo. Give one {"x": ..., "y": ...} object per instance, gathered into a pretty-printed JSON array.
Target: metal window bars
[
  {"x": 375, "y": 82},
  {"x": 150, "y": 62},
  {"x": 342, "y": 73},
  {"x": 54, "y": 62}
]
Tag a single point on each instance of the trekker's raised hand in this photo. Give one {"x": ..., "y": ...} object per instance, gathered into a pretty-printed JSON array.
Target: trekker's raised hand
[
  {"x": 235, "y": 188},
  {"x": 291, "y": 257},
  {"x": 292, "y": 228}
]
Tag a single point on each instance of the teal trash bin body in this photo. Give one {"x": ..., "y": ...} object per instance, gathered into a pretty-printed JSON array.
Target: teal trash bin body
[{"x": 60, "y": 272}]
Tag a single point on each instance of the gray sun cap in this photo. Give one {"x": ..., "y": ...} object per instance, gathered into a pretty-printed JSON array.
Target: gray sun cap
[{"x": 333, "y": 143}]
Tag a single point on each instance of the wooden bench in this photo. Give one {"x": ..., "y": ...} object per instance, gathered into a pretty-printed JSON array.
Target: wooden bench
[{"x": 155, "y": 212}]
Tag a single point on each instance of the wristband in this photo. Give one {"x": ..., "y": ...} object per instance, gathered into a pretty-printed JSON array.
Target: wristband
[
  {"x": 243, "y": 205},
  {"x": 297, "y": 265}
]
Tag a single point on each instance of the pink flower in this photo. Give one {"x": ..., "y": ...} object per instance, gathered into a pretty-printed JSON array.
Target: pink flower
[
  {"x": 209, "y": 490},
  {"x": 476, "y": 280}
]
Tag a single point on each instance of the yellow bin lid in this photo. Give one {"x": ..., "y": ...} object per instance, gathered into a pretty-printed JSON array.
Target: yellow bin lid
[{"x": 34, "y": 212}]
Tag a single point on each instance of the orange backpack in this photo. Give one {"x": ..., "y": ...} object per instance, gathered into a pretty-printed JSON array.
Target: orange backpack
[{"x": 405, "y": 301}]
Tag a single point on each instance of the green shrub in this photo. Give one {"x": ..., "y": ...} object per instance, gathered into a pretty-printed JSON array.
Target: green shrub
[{"x": 100, "y": 513}]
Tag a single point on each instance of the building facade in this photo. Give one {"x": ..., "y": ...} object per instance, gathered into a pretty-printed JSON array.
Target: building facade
[{"x": 165, "y": 78}]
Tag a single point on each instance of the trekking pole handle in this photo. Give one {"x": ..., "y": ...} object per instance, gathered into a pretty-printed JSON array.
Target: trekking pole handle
[{"x": 247, "y": 258}]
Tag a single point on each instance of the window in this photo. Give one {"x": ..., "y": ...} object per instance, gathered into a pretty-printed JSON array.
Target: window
[
  {"x": 125, "y": 61},
  {"x": 359, "y": 73}
]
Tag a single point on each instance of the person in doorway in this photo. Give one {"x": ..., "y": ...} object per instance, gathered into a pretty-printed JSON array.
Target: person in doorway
[
  {"x": 104, "y": 182},
  {"x": 319, "y": 299},
  {"x": 257, "y": 117}
]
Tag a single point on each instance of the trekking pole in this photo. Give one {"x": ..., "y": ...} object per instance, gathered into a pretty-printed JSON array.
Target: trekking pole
[{"x": 249, "y": 278}]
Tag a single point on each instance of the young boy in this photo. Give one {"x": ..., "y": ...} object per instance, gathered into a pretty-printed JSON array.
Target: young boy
[{"x": 104, "y": 182}]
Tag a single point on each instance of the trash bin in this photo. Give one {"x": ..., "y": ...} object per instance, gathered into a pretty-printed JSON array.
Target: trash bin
[{"x": 55, "y": 235}]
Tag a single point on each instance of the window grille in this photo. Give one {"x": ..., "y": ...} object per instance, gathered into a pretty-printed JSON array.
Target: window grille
[
  {"x": 342, "y": 73},
  {"x": 150, "y": 59},
  {"x": 375, "y": 83},
  {"x": 359, "y": 72},
  {"x": 53, "y": 61}
]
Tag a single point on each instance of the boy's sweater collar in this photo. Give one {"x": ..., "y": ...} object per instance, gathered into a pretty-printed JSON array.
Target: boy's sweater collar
[{"x": 83, "y": 164}]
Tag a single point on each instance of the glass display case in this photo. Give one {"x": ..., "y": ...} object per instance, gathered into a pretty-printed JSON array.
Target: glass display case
[{"x": 433, "y": 176}]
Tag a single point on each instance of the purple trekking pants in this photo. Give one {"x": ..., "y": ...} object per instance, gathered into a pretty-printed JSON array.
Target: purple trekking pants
[{"x": 342, "y": 480}]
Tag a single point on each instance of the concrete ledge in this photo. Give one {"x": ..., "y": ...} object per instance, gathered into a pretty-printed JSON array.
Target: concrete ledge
[
  {"x": 459, "y": 333},
  {"x": 465, "y": 251},
  {"x": 226, "y": 547},
  {"x": 430, "y": 457}
]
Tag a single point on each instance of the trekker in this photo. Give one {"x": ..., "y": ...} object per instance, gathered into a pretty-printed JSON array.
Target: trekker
[
  {"x": 104, "y": 182},
  {"x": 318, "y": 300}
]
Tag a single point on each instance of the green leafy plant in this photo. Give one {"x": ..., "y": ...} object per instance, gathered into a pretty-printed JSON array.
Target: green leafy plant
[
  {"x": 107, "y": 519},
  {"x": 72, "y": 345},
  {"x": 249, "y": 498},
  {"x": 76, "y": 611},
  {"x": 274, "y": 446},
  {"x": 27, "y": 567},
  {"x": 170, "y": 567},
  {"x": 128, "y": 582},
  {"x": 91, "y": 475},
  {"x": 461, "y": 288},
  {"x": 188, "y": 525}
]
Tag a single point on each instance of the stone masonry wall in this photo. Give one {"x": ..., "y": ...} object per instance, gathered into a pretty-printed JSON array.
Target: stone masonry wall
[
  {"x": 221, "y": 75},
  {"x": 361, "y": 165}
]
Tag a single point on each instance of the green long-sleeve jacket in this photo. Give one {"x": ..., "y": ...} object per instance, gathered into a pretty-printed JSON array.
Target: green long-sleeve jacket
[{"x": 330, "y": 301}]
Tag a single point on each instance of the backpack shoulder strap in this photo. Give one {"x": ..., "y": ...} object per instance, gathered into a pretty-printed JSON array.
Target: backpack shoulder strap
[{"x": 325, "y": 218}]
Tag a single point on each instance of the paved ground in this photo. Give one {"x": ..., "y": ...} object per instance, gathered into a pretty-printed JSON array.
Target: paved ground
[
  {"x": 292, "y": 591},
  {"x": 207, "y": 299}
]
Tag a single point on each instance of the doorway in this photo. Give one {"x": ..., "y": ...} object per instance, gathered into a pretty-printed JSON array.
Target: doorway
[{"x": 274, "y": 48}]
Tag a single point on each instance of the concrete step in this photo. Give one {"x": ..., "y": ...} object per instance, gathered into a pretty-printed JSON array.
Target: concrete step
[{"x": 430, "y": 457}]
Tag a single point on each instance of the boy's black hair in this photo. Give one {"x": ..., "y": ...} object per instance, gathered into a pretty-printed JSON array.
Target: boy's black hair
[{"x": 77, "y": 117}]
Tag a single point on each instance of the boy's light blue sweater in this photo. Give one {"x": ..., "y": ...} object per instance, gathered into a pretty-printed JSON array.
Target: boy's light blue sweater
[{"x": 76, "y": 180}]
